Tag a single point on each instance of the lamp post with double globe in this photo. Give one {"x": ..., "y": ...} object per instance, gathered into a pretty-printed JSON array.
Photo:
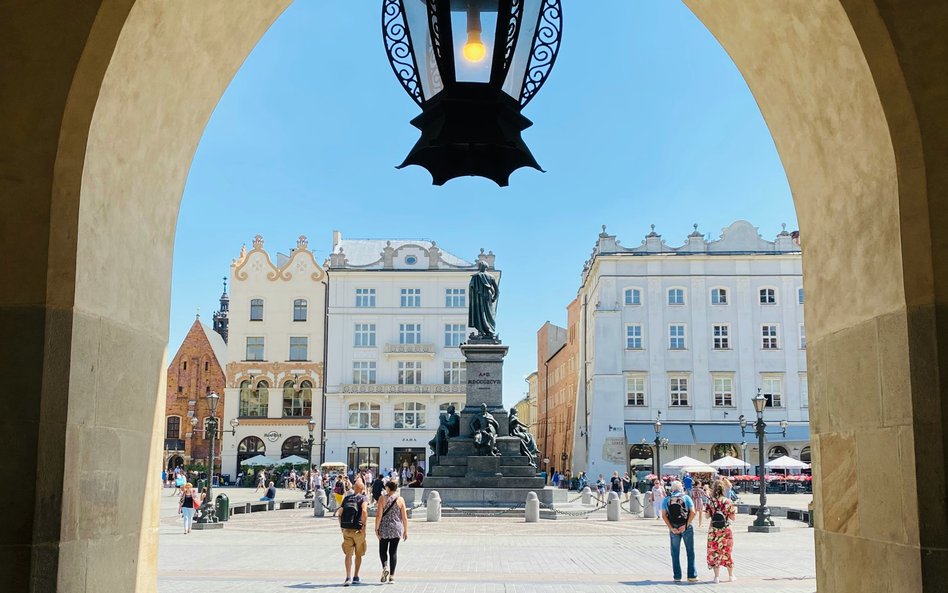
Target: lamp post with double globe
[
  {"x": 763, "y": 523},
  {"x": 212, "y": 430}
]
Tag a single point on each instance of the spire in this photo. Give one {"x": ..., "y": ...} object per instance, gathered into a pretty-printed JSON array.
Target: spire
[{"x": 220, "y": 316}]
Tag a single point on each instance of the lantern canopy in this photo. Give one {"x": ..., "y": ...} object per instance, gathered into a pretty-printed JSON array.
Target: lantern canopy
[{"x": 472, "y": 66}]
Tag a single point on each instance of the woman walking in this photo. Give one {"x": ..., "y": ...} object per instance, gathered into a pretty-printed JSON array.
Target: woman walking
[
  {"x": 700, "y": 496},
  {"x": 721, "y": 511},
  {"x": 187, "y": 504},
  {"x": 658, "y": 497},
  {"x": 391, "y": 525}
]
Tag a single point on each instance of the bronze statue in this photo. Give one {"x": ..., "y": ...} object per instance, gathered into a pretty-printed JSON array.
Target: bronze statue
[
  {"x": 485, "y": 428},
  {"x": 528, "y": 444},
  {"x": 449, "y": 427},
  {"x": 482, "y": 306}
]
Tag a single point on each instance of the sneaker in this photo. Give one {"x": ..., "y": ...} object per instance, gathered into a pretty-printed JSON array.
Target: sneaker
[
  {"x": 356, "y": 580},
  {"x": 692, "y": 579},
  {"x": 391, "y": 579},
  {"x": 347, "y": 583},
  {"x": 384, "y": 574},
  {"x": 716, "y": 580},
  {"x": 731, "y": 579}
]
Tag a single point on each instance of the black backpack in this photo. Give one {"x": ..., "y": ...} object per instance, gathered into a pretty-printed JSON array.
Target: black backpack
[
  {"x": 352, "y": 512},
  {"x": 677, "y": 511},
  {"x": 718, "y": 518}
]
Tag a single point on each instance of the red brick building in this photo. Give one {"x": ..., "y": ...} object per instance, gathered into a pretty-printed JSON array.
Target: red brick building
[
  {"x": 196, "y": 370},
  {"x": 557, "y": 373}
]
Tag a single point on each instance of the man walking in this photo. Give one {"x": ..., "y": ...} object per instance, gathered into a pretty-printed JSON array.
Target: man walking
[
  {"x": 353, "y": 519},
  {"x": 678, "y": 513}
]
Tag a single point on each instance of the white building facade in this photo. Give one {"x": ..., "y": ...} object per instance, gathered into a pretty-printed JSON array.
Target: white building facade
[
  {"x": 275, "y": 354},
  {"x": 397, "y": 316},
  {"x": 689, "y": 334}
]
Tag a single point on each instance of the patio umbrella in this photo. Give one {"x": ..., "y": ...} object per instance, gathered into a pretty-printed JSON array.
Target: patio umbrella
[
  {"x": 683, "y": 462},
  {"x": 259, "y": 460},
  {"x": 728, "y": 462},
  {"x": 786, "y": 462},
  {"x": 294, "y": 460}
]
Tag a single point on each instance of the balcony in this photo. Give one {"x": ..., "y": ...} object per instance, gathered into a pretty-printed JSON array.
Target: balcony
[
  {"x": 398, "y": 389},
  {"x": 410, "y": 350},
  {"x": 174, "y": 444}
]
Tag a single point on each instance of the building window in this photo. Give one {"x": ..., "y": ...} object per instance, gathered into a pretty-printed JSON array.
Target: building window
[
  {"x": 800, "y": 295},
  {"x": 635, "y": 390},
  {"x": 678, "y": 391},
  {"x": 409, "y": 333},
  {"x": 455, "y": 373},
  {"x": 292, "y": 446},
  {"x": 676, "y": 337},
  {"x": 768, "y": 336},
  {"x": 254, "y": 348},
  {"x": 443, "y": 408},
  {"x": 633, "y": 296},
  {"x": 455, "y": 297},
  {"x": 721, "y": 339},
  {"x": 772, "y": 389},
  {"x": 363, "y": 372},
  {"x": 723, "y": 391},
  {"x": 676, "y": 296},
  {"x": 299, "y": 310},
  {"x": 718, "y": 296},
  {"x": 184, "y": 366},
  {"x": 453, "y": 334},
  {"x": 411, "y": 297},
  {"x": 365, "y": 335},
  {"x": 777, "y": 451},
  {"x": 633, "y": 337},
  {"x": 804, "y": 391},
  {"x": 768, "y": 296},
  {"x": 249, "y": 447},
  {"x": 256, "y": 310},
  {"x": 364, "y": 415},
  {"x": 409, "y": 373},
  {"x": 254, "y": 402},
  {"x": 409, "y": 415},
  {"x": 173, "y": 429},
  {"x": 802, "y": 337},
  {"x": 207, "y": 366},
  {"x": 365, "y": 297},
  {"x": 806, "y": 455},
  {"x": 299, "y": 348},
  {"x": 297, "y": 403},
  {"x": 411, "y": 260}
]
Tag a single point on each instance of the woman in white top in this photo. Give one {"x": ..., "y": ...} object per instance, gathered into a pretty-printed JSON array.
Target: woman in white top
[{"x": 658, "y": 496}]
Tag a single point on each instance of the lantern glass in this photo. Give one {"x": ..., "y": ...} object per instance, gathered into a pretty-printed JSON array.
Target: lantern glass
[
  {"x": 513, "y": 85},
  {"x": 416, "y": 15},
  {"x": 474, "y": 26}
]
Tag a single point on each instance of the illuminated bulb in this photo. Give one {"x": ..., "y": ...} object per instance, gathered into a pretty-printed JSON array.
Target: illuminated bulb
[{"x": 474, "y": 50}]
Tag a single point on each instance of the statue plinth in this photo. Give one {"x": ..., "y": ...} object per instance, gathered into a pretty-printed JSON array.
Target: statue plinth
[{"x": 485, "y": 378}]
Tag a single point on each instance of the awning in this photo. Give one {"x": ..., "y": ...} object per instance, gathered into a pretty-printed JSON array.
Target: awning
[
  {"x": 677, "y": 434},
  {"x": 795, "y": 433},
  {"x": 717, "y": 433}
]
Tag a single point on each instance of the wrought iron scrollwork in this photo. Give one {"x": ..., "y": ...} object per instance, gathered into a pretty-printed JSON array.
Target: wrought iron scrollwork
[
  {"x": 546, "y": 45},
  {"x": 513, "y": 32},
  {"x": 398, "y": 46},
  {"x": 435, "y": 30}
]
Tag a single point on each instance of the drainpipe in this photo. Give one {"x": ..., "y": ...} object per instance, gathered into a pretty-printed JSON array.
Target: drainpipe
[
  {"x": 322, "y": 420},
  {"x": 585, "y": 383}
]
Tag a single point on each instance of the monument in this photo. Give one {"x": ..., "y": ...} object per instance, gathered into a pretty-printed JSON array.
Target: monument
[{"x": 485, "y": 456}]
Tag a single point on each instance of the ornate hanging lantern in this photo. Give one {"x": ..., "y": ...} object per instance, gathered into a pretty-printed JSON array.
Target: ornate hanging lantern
[{"x": 472, "y": 66}]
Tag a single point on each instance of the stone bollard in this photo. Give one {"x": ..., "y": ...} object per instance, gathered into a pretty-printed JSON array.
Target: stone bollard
[
  {"x": 587, "y": 495},
  {"x": 532, "y": 511},
  {"x": 612, "y": 507},
  {"x": 649, "y": 507},
  {"x": 319, "y": 502},
  {"x": 635, "y": 502},
  {"x": 434, "y": 506}
]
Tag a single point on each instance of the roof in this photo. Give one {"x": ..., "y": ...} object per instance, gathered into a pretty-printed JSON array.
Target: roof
[
  {"x": 371, "y": 253},
  {"x": 217, "y": 345}
]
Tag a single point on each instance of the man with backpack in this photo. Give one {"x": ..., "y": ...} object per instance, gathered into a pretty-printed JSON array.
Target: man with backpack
[
  {"x": 678, "y": 513},
  {"x": 353, "y": 517}
]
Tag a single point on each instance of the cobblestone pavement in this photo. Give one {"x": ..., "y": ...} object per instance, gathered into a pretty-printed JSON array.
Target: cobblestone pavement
[{"x": 291, "y": 550}]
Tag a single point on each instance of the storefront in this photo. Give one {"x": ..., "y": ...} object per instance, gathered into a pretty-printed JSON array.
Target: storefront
[{"x": 404, "y": 456}]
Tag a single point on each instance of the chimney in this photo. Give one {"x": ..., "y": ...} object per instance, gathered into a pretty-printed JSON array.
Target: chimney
[{"x": 336, "y": 239}]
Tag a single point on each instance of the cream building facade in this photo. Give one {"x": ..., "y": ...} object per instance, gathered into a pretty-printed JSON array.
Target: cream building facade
[
  {"x": 275, "y": 354},
  {"x": 689, "y": 334},
  {"x": 397, "y": 315}
]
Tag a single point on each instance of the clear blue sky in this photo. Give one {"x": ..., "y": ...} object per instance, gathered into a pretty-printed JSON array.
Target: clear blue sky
[{"x": 644, "y": 120}]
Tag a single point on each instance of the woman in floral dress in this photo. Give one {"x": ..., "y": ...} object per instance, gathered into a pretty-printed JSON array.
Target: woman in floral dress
[{"x": 720, "y": 537}]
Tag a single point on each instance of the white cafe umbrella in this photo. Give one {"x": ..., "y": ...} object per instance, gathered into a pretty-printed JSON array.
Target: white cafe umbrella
[
  {"x": 259, "y": 460},
  {"x": 294, "y": 460},
  {"x": 682, "y": 462},
  {"x": 786, "y": 462},
  {"x": 728, "y": 462}
]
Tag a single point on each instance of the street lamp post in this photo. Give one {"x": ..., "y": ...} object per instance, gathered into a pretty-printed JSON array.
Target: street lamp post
[
  {"x": 355, "y": 458},
  {"x": 310, "y": 426},
  {"x": 763, "y": 523},
  {"x": 660, "y": 443},
  {"x": 211, "y": 428},
  {"x": 744, "y": 454}
]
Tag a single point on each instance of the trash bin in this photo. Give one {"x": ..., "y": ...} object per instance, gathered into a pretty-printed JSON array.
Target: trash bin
[
  {"x": 202, "y": 483},
  {"x": 222, "y": 507}
]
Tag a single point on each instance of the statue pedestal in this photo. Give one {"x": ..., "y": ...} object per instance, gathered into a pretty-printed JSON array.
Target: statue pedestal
[{"x": 485, "y": 380}]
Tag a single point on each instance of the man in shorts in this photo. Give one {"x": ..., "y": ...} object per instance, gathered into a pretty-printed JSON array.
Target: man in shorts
[{"x": 353, "y": 517}]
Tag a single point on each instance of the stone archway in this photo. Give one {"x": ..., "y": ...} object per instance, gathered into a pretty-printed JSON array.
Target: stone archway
[{"x": 112, "y": 97}]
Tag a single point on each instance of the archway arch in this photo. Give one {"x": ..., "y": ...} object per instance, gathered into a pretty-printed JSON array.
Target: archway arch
[{"x": 111, "y": 104}]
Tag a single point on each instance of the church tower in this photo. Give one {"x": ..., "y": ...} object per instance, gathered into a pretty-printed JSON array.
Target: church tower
[{"x": 220, "y": 316}]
